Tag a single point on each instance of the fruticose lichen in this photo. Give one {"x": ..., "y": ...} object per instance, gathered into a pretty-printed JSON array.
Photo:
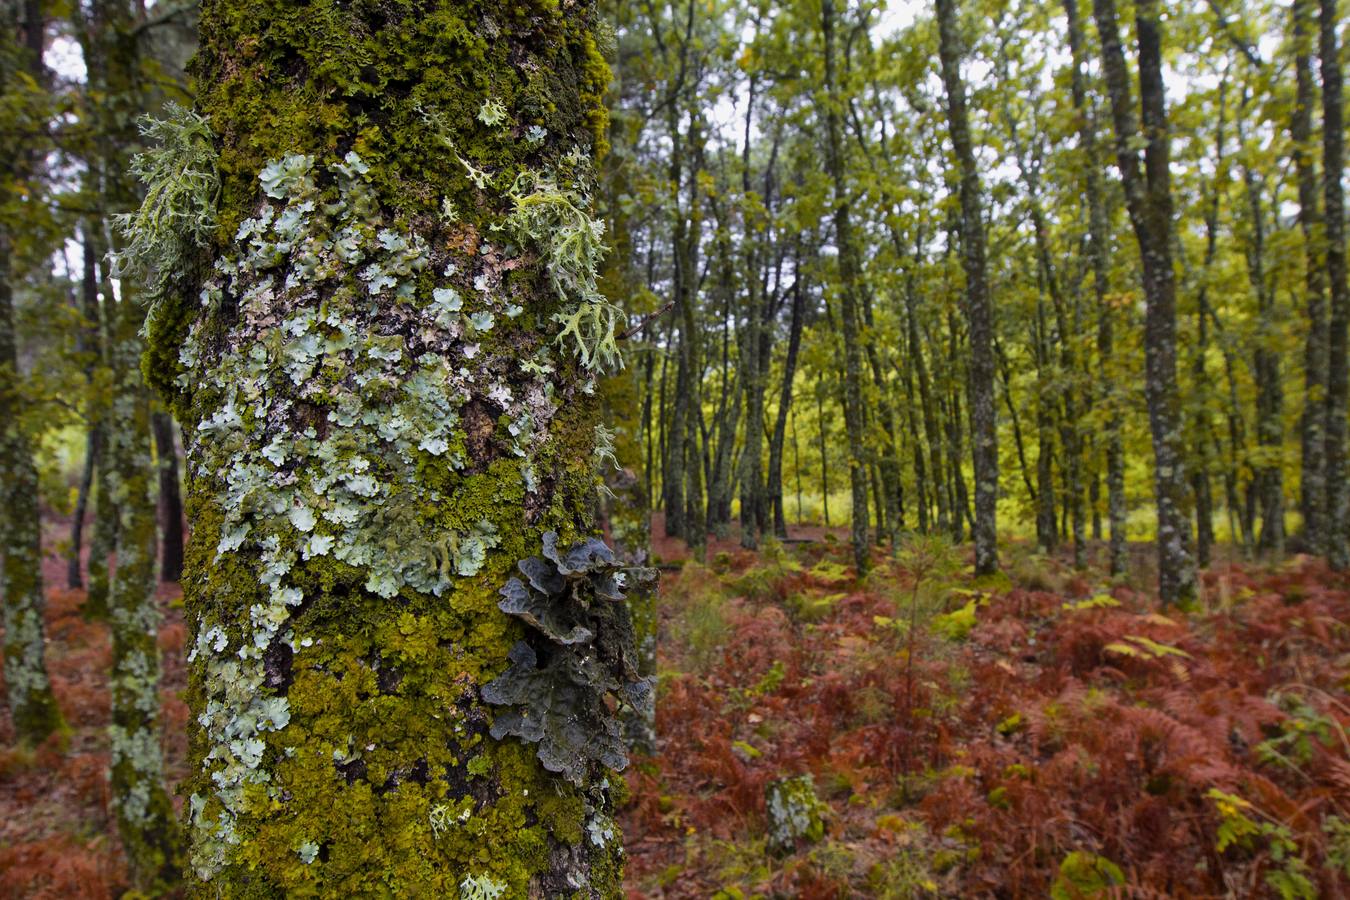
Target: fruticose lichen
[
  {"x": 580, "y": 651},
  {"x": 178, "y": 211}
]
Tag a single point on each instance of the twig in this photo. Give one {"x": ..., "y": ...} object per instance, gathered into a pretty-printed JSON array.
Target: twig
[{"x": 646, "y": 320}]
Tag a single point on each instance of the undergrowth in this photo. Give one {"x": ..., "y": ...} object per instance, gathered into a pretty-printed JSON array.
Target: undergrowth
[{"x": 1049, "y": 734}]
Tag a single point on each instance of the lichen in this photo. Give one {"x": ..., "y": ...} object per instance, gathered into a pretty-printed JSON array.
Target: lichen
[
  {"x": 379, "y": 423},
  {"x": 177, "y": 214},
  {"x": 580, "y": 652}
]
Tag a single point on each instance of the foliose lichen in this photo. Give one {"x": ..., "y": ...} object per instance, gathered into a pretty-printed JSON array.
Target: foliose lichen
[{"x": 578, "y": 652}]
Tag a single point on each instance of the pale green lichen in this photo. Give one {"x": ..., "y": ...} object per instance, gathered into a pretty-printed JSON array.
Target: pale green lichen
[
  {"x": 492, "y": 112},
  {"x": 178, "y": 210},
  {"x": 557, "y": 219},
  {"x": 480, "y": 887}
]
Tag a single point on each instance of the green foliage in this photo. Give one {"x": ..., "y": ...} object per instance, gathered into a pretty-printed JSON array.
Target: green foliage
[
  {"x": 1097, "y": 601},
  {"x": 1299, "y": 733},
  {"x": 1288, "y": 874},
  {"x": 580, "y": 652},
  {"x": 1084, "y": 876},
  {"x": 957, "y": 625},
  {"x": 1337, "y": 831}
]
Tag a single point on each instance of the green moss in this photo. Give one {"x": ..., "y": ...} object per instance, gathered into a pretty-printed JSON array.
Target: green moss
[{"x": 378, "y": 429}]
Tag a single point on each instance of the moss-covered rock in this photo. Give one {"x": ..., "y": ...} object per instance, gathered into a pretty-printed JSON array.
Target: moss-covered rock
[{"x": 794, "y": 813}]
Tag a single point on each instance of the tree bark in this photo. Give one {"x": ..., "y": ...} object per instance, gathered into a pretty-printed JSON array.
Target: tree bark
[
  {"x": 32, "y": 707},
  {"x": 1312, "y": 422},
  {"x": 1338, "y": 375},
  {"x": 785, "y": 405},
  {"x": 849, "y": 276},
  {"x": 1149, "y": 201},
  {"x": 983, "y": 416},
  {"x": 384, "y": 419},
  {"x": 170, "y": 499},
  {"x": 1098, "y": 238},
  {"x": 89, "y": 344}
]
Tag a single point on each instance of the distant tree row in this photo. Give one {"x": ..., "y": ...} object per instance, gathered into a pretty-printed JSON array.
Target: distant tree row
[{"x": 1069, "y": 265}]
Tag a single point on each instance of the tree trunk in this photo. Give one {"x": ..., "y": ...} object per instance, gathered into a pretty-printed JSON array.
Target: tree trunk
[
  {"x": 1098, "y": 238},
  {"x": 145, "y": 814},
  {"x": 1338, "y": 372},
  {"x": 983, "y": 421},
  {"x": 1149, "y": 200},
  {"x": 928, "y": 403},
  {"x": 381, "y": 425},
  {"x": 1269, "y": 476},
  {"x": 785, "y": 406},
  {"x": 1312, "y": 430},
  {"x": 89, "y": 344},
  {"x": 170, "y": 499},
  {"x": 849, "y": 276},
  {"x": 824, "y": 457},
  {"x": 32, "y": 707}
]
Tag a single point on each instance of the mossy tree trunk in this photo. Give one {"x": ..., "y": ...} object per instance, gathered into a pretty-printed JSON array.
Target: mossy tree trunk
[
  {"x": 983, "y": 415},
  {"x": 32, "y": 707},
  {"x": 850, "y": 273},
  {"x": 1337, "y": 540},
  {"x": 145, "y": 816},
  {"x": 1148, "y": 197},
  {"x": 381, "y": 417}
]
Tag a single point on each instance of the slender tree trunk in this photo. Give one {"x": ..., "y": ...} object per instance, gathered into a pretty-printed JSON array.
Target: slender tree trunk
[
  {"x": 1098, "y": 240},
  {"x": 785, "y": 406},
  {"x": 365, "y": 716},
  {"x": 1046, "y": 532},
  {"x": 1269, "y": 477},
  {"x": 888, "y": 465},
  {"x": 824, "y": 457},
  {"x": 849, "y": 277},
  {"x": 928, "y": 404},
  {"x": 170, "y": 499},
  {"x": 983, "y": 419},
  {"x": 90, "y": 346},
  {"x": 1312, "y": 423},
  {"x": 151, "y": 838},
  {"x": 145, "y": 816},
  {"x": 32, "y": 707},
  {"x": 1338, "y": 372},
  {"x": 921, "y": 486},
  {"x": 1005, "y": 368},
  {"x": 1149, "y": 200}
]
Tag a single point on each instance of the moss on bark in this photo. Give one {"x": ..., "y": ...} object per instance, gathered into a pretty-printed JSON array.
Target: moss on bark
[{"x": 379, "y": 424}]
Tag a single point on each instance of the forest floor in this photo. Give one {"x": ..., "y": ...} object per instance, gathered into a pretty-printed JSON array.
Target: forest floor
[
  {"x": 1046, "y": 732},
  {"x": 1043, "y": 733}
]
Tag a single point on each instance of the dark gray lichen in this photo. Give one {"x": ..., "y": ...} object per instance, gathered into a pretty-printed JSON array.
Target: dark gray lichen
[{"x": 578, "y": 652}]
